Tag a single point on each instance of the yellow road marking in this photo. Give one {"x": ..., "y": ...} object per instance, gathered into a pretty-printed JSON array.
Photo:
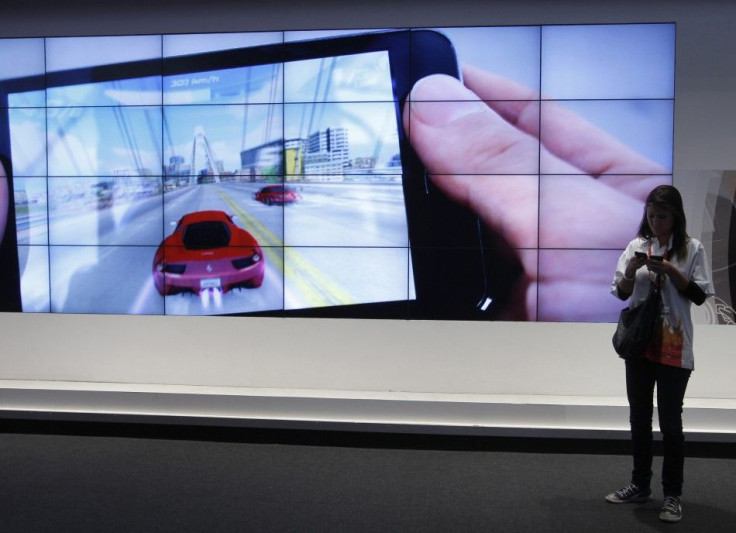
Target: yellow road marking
[{"x": 315, "y": 289}]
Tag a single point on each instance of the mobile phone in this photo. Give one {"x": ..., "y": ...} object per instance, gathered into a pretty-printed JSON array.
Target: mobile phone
[
  {"x": 640, "y": 255},
  {"x": 134, "y": 148},
  {"x": 656, "y": 257}
]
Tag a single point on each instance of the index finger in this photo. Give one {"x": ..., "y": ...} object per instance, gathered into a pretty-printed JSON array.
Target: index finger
[{"x": 564, "y": 133}]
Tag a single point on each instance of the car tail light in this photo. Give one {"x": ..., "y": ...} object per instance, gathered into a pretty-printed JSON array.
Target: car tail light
[
  {"x": 245, "y": 262},
  {"x": 172, "y": 268}
]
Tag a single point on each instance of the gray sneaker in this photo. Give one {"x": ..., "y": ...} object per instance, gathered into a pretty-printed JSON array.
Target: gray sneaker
[
  {"x": 631, "y": 493},
  {"x": 671, "y": 510}
]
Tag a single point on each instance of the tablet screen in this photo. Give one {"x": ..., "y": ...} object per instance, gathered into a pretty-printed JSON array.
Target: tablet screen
[{"x": 297, "y": 163}]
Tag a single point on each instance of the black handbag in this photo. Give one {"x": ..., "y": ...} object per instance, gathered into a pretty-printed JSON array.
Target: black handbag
[{"x": 636, "y": 326}]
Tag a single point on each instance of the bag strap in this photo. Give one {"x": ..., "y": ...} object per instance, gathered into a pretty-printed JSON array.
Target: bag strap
[{"x": 659, "y": 278}]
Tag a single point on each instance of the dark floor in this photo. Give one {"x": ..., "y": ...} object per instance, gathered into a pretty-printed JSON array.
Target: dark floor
[{"x": 116, "y": 477}]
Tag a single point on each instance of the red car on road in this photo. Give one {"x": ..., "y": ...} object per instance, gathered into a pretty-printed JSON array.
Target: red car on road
[
  {"x": 207, "y": 251},
  {"x": 277, "y": 194}
]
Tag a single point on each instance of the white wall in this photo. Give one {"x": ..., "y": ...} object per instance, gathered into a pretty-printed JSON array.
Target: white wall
[{"x": 466, "y": 376}]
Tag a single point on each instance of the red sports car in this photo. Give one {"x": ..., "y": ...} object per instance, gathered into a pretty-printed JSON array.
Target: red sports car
[
  {"x": 207, "y": 251},
  {"x": 277, "y": 194}
]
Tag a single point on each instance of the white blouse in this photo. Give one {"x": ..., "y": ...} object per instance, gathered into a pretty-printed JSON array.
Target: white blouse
[{"x": 677, "y": 325}]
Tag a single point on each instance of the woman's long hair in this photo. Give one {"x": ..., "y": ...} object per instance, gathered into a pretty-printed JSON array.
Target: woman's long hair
[{"x": 667, "y": 197}]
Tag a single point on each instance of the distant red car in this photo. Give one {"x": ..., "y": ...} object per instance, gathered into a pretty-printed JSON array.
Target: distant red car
[
  {"x": 277, "y": 194},
  {"x": 207, "y": 250}
]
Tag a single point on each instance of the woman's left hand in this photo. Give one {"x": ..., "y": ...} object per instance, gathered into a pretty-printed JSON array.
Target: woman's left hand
[
  {"x": 671, "y": 271},
  {"x": 660, "y": 266}
]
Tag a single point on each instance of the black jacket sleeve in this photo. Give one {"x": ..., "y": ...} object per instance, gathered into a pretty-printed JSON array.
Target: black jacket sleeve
[
  {"x": 621, "y": 294},
  {"x": 694, "y": 293}
]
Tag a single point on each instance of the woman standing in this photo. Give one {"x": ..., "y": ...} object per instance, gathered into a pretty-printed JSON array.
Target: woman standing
[{"x": 678, "y": 264}]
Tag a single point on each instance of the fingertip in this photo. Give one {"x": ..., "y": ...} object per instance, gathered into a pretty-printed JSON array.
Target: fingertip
[
  {"x": 438, "y": 100},
  {"x": 438, "y": 87}
]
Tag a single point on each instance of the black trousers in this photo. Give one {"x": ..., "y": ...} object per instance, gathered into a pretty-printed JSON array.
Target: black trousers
[{"x": 641, "y": 376}]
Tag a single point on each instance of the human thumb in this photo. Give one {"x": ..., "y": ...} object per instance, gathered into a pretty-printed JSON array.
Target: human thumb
[
  {"x": 455, "y": 132},
  {"x": 476, "y": 157}
]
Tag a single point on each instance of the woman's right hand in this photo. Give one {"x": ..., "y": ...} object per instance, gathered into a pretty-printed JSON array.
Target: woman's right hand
[{"x": 634, "y": 264}]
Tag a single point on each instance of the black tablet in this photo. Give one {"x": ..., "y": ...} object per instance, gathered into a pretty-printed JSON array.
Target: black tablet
[{"x": 271, "y": 180}]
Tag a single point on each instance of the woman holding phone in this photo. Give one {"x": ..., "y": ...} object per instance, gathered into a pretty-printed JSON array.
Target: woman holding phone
[{"x": 664, "y": 254}]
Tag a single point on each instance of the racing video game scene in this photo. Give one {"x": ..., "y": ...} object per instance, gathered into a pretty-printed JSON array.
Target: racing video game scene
[
  {"x": 469, "y": 173},
  {"x": 281, "y": 189}
]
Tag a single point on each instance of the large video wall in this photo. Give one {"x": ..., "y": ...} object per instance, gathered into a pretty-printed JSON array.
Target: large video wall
[{"x": 327, "y": 174}]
